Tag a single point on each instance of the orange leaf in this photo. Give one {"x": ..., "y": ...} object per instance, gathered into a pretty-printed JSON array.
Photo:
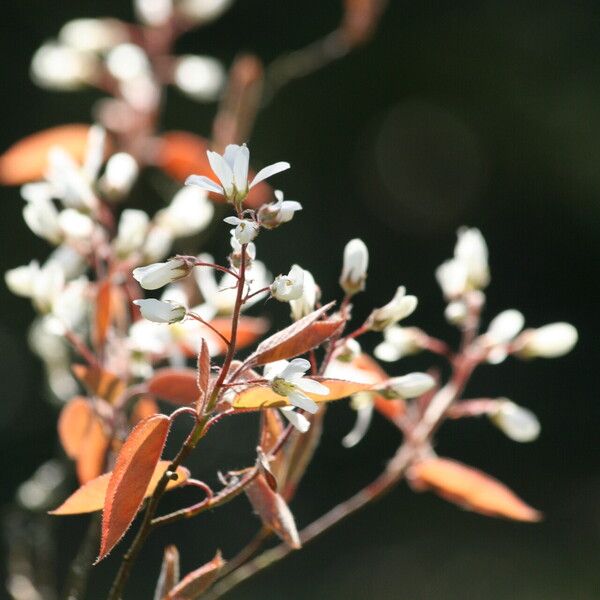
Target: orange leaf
[
  {"x": 270, "y": 429},
  {"x": 249, "y": 329},
  {"x": 100, "y": 382},
  {"x": 203, "y": 376},
  {"x": 298, "y": 338},
  {"x": 91, "y": 458},
  {"x": 91, "y": 496},
  {"x": 27, "y": 159},
  {"x": 273, "y": 511},
  {"x": 130, "y": 478},
  {"x": 262, "y": 396},
  {"x": 169, "y": 573},
  {"x": 471, "y": 489},
  {"x": 103, "y": 312},
  {"x": 198, "y": 581},
  {"x": 181, "y": 154},
  {"x": 178, "y": 386},
  {"x": 73, "y": 424},
  {"x": 143, "y": 409}
]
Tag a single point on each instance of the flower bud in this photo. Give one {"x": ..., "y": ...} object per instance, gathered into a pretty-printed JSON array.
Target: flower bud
[
  {"x": 41, "y": 217},
  {"x": 505, "y": 326},
  {"x": 276, "y": 213},
  {"x": 153, "y": 12},
  {"x": 456, "y": 312},
  {"x": 158, "y": 275},
  {"x": 245, "y": 230},
  {"x": 549, "y": 341},
  {"x": 190, "y": 212},
  {"x": 348, "y": 351},
  {"x": 131, "y": 234},
  {"x": 516, "y": 422},
  {"x": 20, "y": 280},
  {"x": 398, "y": 342},
  {"x": 92, "y": 35},
  {"x": 119, "y": 176},
  {"x": 75, "y": 224},
  {"x": 202, "y": 11},
  {"x": 452, "y": 277},
  {"x": 60, "y": 67},
  {"x": 398, "y": 308},
  {"x": 471, "y": 250},
  {"x": 354, "y": 270},
  {"x": 158, "y": 244},
  {"x": 407, "y": 386},
  {"x": 310, "y": 294},
  {"x": 161, "y": 311},
  {"x": 288, "y": 287},
  {"x": 127, "y": 62},
  {"x": 199, "y": 77}
]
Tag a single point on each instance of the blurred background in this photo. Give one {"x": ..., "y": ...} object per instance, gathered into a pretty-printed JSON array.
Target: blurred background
[{"x": 478, "y": 113}]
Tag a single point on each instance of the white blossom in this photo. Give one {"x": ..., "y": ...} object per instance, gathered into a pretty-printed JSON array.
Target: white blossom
[
  {"x": 456, "y": 312},
  {"x": 397, "y": 343},
  {"x": 161, "y": 311},
  {"x": 75, "y": 225},
  {"x": 471, "y": 250},
  {"x": 289, "y": 287},
  {"x": 398, "y": 308},
  {"x": 158, "y": 244},
  {"x": 245, "y": 229},
  {"x": 190, "y": 212},
  {"x": 41, "y": 217},
  {"x": 60, "y": 67},
  {"x": 362, "y": 403},
  {"x": 92, "y": 35},
  {"x": 231, "y": 170},
  {"x": 549, "y": 341},
  {"x": 119, "y": 176},
  {"x": 199, "y": 77},
  {"x": 203, "y": 11},
  {"x": 452, "y": 276},
  {"x": 408, "y": 386},
  {"x": 153, "y": 12},
  {"x": 132, "y": 230},
  {"x": 505, "y": 327},
  {"x": 354, "y": 269},
  {"x": 127, "y": 62},
  {"x": 305, "y": 304},
  {"x": 20, "y": 280},
  {"x": 276, "y": 213},
  {"x": 158, "y": 275},
  {"x": 298, "y": 420},
  {"x": 287, "y": 379},
  {"x": 516, "y": 422}
]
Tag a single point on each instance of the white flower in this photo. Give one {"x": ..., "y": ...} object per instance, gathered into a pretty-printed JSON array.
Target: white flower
[
  {"x": 153, "y": 12},
  {"x": 203, "y": 11},
  {"x": 119, "y": 175},
  {"x": 236, "y": 255},
  {"x": 127, "y": 62},
  {"x": 41, "y": 217},
  {"x": 131, "y": 234},
  {"x": 199, "y": 77},
  {"x": 398, "y": 342},
  {"x": 354, "y": 269},
  {"x": 75, "y": 225},
  {"x": 298, "y": 420},
  {"x": 504, "y": 327},
  {"x": 158, "y": 244},
  {"x": 290, "y": 382},
  {"x": 549, "y": 341},
  {"x": 231, "y": 170},
  {"x": 60, "y": 67},
  {"x": 245, "y": 230},
  {"x": 305, "y": 304},
  {"x": 516, "y": 422},
  {"x": 190, "y": 212},
  {"x": 452, "y": 275},
  {"x": 48, "y": 283},
  {"x": 398, "y": 308},
  {"x": 161, "y": 311},
  {"x": 408, "y": 386},
  {"x": 70, "y": 306},
  {"x": 456, "y": 312},
  {"x": 289, "y": 287},
  {"x": 471, "y": 250},
  {"x": 274, "y": 214},
  {"x": 158, "y": 275},
  {"x": 92, "y": 35},
  {"x": 221, "y": 296},
  {"x": 20, "y": 280},
  {"x": 362, "y": 403}
]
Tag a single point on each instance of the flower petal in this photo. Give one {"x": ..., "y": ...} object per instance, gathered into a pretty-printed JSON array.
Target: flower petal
[
  {"x": 269, "y": 171},
  {"x": 297, "y": 367},
  {"x": 221, "y": 169},
  {"x": 232, "y": 220},
  {"x": 312, "y": 387},
  {"x": 205, "y": 183},
  {"x": 240, "y": 168},
  {"x": 299, "y": 421},
  {"x": 301, "y": 401}
]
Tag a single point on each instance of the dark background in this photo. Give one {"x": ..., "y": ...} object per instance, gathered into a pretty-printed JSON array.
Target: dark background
[{"x": 477, "y": 113}]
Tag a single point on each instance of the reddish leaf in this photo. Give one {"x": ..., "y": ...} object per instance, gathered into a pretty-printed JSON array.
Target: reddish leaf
[
  {"x": 249, "y": 329},
  {"x": 273, "y": 511},
  {"x": 298, "y": 338},
  {"x": 178, "y": 386},
  {"x": 103, "y": 312},
  {"x": 91, "y": 458},
  {"x": 181, "y": 154},
  {"x": 203, "y": 373},
  {"x": 27, "y": 159},
  {"x": 262, "y": 396},
  {"x": 197, "y": 582},
  {"x": 73, "y": 424},
  {"x": 169, "y": 573},
  {"x": 130, "y": 478},
  {"x": 143, "y": 409},
  {"x": 99, "y": 382},
  {"x": 470, "y": 488},
  {"x": 271, "y": 428},
  {"x": 92, "y": 496}
]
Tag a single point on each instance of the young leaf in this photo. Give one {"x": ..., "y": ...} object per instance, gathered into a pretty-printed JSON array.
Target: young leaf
[
  {"x": 143, "y": 409},
  {"x": 99, "y": 382},
  {"x": 298, "y": 338},
  {"x": 169, "y": 573},
  {"x": 27, "y": 159},
  {"x": 103, "y": 312},
  {"x": 178, "y": 386},
  {"x": 203, "y": 373},
  {"x": 133, "y": 471},
  {"x": 197, "y": 582},
  {"x": 91, "y": 458},
  {"x": 470, "y": 488},
  {"x": 273, "y": 511},
  {"x": 73, "y": 424},
  {"x": 262, "y": 396},
  {"x": 91, "y": 496}
]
